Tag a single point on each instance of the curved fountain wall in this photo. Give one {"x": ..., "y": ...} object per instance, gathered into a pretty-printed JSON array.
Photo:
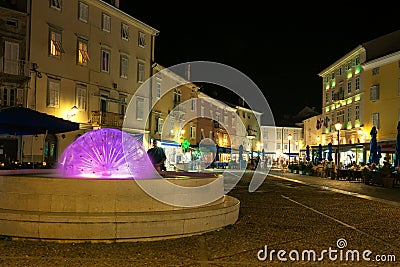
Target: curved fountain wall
[{"x": 109, "y": 208}]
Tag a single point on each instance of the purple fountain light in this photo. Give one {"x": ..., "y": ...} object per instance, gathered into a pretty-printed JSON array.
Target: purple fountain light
[{"x": 106, "y": 153}]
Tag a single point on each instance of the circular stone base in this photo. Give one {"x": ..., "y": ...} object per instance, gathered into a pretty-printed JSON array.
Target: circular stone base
[{"x": 73, "y": 210}]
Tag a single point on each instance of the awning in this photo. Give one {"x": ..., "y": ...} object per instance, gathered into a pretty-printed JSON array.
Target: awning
[{"x": 25, "y": 121}]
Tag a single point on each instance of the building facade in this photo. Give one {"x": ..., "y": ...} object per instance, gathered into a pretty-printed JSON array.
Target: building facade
[
  {"x": 14, "y": 69},
  {"x": 88, "y": 58},
  {"x": 382, "y": 105}
]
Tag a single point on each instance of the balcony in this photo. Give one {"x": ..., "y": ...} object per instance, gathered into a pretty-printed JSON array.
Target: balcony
[
  {"x": 14, "y": 69},
  {"x": 179, "y": 110},
  {"x": 107, "y": 119}
]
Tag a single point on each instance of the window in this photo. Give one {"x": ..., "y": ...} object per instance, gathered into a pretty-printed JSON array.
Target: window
[
  {"x": 349, "y": 65},
  {"x": 83, "y": 55},
  {"x": 375, "y": 71},
  {"x": 171, "y": 125},
  {"x": 349, "y": 114},
  {"x": 357, "y": 83},
  {"x": 193, "y": 104},
  {"x": 357, "y": 117},
  {"x": 124, "y": 66},
  {"x": 12, "y": 23},
  {"x": 327, "y": 98},
  {"x": 11, "y": 58},
  {"x": 358, "y": 60},
  {"x": 55, "y": 45},
  {"x": 140, "y": 72},
  {"x": 53, "y": 93},
  {"x": 278, "y": 135},
  {"x": 333, "y": 75},
  {"x": 106, "y": 23},
  {"x": 139, "y": 108},
  {"x": 122, "y": 104},
  {"x": 159, "y": 125},
  {"x": 124, "y": 31},
  {"x": 202, "y": 135},
  {"x": 398, "y": 87},
  {"x": 278, "y": 146},
  {"x": 177, "y": 96},
  {"x": 340, "y": 71},
  {"x": 105, "y": 60},
  {"x": 83, "y": 12},
  {"x": 375, "y": 119},
  {"x": 374, "y": 93},
  {"x": 142, "y": 39},
  {"x": 56, "y": 4},
  {"x": 158, "y": 88},
  {"x": 192, "y": 132},
  {"x": 81, "y": 96},
  {"x": 11, "y": 96},
  {"x": 349, "y": 87}
]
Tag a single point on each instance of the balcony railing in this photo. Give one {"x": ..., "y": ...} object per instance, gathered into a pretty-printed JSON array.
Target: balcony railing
[
  {"x": 108, "y": 119},
  {"x": 14, "y": 67}
]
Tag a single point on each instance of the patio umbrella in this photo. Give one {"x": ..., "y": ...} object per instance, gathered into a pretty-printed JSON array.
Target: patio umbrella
[
  {"x": 330, "y": 152},
  {"x": 397, "y": 161},
  {"x": 25, "y": 121},
  {"x": 308, "y": 153},
  {"x": 319, "y": 152},
  {"x": 373, "y": 147}
]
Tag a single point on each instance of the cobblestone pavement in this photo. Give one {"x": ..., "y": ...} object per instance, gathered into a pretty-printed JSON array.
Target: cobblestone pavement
[{"x": 286, "y": 213}]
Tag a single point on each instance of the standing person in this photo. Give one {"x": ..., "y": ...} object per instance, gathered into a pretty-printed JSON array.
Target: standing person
[{"x": 157, "y": 156}]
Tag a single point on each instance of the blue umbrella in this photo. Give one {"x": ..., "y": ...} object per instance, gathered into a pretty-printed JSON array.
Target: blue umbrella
[
  {"x": 308, "y": 153},
  {"x": 330, "y": 152},
  {"x": 397, "y": 161},
  {"x": 373, "y": 147},
  {"x": 320, "y": 153}
]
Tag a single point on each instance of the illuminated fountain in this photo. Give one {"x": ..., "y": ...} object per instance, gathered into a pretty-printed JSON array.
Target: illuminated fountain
[
  {"x": 106, "y": 153},
  {"x": 101, "y": 194}
]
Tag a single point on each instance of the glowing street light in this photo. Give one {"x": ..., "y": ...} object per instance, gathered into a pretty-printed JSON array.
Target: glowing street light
[
  {"x": 289, "y": 138},
  {"x": 338, "y": 126}
]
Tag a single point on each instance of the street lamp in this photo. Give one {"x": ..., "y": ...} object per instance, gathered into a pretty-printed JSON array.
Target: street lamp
[
  {"x": 289, "y": 137},
  {"x": 338, "y": 126}
]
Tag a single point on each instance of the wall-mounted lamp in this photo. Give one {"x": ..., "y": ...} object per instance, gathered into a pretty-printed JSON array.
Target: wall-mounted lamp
[{"x": 72, "y": 113}]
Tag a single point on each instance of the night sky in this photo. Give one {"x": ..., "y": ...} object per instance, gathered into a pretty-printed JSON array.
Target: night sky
[{"x": 281, "y": 54}]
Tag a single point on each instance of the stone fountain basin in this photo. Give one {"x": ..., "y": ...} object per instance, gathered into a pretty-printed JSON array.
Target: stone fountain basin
[{"x": 72, "y": 210}]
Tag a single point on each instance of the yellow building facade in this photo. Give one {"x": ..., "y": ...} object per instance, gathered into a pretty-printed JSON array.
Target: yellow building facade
[{"x": 382, "y": 107}]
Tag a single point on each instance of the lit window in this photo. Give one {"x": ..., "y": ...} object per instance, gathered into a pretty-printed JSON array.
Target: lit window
[
  {"x": 192, "y": 132},
  {"x": 140, "y": 72},
  {"x": 83, "y": 56},
  {"x": 55, "y": 43},
  {"x": 125, "y": 31},
  {"x": 83, "y": 12},
  {"x": 142, "y": 39},
  {"x": 124, "y": 66},
  {"x": 105, "y": 60},
  {"x": 53, "y": 93},
  {"x": 106, "y": 23},
  {"x": 56, "y": 4}
]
